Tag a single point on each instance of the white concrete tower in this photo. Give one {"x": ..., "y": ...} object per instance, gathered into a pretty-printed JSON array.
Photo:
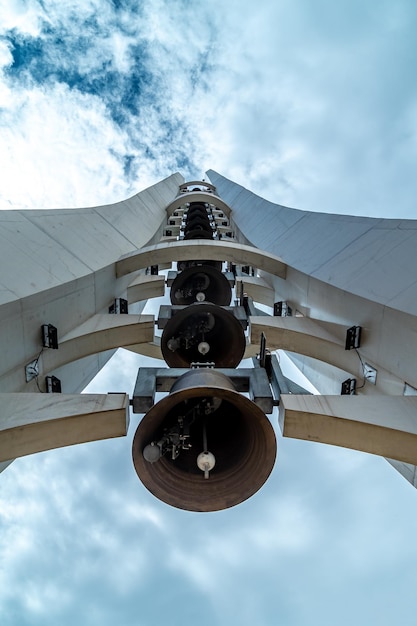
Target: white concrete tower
[{"x": 344, "y": 290}]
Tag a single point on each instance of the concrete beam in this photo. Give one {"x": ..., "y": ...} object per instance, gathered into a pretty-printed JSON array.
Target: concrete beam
[
  {"x": 322, "y": 341},
  {"x": 101, "y": 332},
  {"x": 34, "y": 422},
  {"x": 382, "y": 425},
  {"x": 257, "y": 288},
  {"x": 304, "y": 336},
  {"x": 200, "y": 250},
  {"x": 146, "y": 286}
]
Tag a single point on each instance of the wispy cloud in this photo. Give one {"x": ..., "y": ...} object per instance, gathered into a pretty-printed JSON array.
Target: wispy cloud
[
  {"x": 294, "y": 103},
  {"x": 309, "y": 104}
]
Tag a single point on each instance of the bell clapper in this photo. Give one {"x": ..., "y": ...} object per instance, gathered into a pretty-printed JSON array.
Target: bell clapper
[
  {"x": 203, "y": 347},
  {"x": 205, "y": 460}
]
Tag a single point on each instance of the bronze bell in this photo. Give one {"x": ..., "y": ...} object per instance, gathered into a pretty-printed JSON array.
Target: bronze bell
[
  {"x": 201, "y": 283},
  {"x": 204, "y": 447},
  {"x": 203, "y": 333}
]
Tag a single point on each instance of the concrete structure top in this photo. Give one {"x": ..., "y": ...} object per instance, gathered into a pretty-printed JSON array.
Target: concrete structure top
[
  {"x": 198, "y": 183},
  {"x": 52, "y": 247},
  {"x": 369, "y": 257},
  {"x": 198, "y": 196}
]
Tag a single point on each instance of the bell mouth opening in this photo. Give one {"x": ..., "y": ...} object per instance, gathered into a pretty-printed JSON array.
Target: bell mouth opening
[
  {"x": 227, "y": 439},
  {"x": 238, "y": 433}
]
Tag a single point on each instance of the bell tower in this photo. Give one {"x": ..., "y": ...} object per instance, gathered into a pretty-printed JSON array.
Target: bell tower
[
  {"x": 205, "y": 446},
  {"x": 245, "y": 278}
]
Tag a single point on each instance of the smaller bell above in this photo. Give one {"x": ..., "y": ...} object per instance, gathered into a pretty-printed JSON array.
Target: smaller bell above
[
  {"x": 203, "y": 333},
  {"x": 202, "y": 279}
]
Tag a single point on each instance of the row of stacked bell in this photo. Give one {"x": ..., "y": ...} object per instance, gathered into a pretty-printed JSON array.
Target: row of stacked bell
[
  {"x": 205, "y": 446},
  {"x": 202, "y": 330},
  {"x": 199, "y": 222}
]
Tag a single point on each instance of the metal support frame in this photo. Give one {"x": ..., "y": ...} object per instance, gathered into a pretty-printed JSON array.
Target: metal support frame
[
  {"x": 264, "y": 388},
  {"x": 154, "y": 379}
]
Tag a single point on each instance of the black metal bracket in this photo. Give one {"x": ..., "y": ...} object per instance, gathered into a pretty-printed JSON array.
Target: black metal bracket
[
  {"x": 49, "y": 335},
  {"x": 353, "y": 337},
  {"x": 119, "y": 306},
  {"x": 278, "y": 382},
  {"x": 348, "y": 387},
  {"x": 282, "y": 309}
]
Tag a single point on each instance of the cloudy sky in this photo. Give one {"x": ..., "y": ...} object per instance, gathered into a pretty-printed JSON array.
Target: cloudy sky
[{"x": 310, "y": 103}]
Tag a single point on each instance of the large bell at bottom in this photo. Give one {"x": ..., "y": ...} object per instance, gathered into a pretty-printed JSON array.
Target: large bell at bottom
[{"x": 232, "y": 428}]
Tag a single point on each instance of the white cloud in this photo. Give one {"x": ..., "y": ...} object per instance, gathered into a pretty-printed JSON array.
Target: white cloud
[
  {"x": 23, "y": 16},
  {"x": 298, "y": 105},
  {"x": 309, "y": 105},
  {"x": 59, "y": 144}
]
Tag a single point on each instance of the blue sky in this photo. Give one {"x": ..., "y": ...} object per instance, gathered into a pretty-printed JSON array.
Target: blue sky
[{"x": 309, "y": 104}]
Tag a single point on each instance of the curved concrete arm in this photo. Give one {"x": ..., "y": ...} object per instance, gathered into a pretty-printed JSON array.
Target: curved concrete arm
[
  {"x": 382, "y": 425},
  {"x": 306, "y": 336},
  {"x": 101, "y": 332},
  {"x": 200, "y": 249},
  {"x": 34, "y": 422},
  {"x": 146, "y": 286}
]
